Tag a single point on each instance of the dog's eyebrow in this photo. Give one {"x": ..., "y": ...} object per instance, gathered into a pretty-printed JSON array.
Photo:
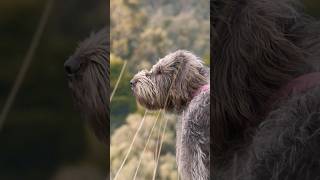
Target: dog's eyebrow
[{"x": 154, "y": 68}]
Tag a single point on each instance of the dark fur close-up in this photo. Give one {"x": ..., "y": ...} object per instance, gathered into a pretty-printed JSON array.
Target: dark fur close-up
[
  {"x": 88, "y": 76},
  {"x": 265, "y": 104},
  {"x": 179, "y": 83}
]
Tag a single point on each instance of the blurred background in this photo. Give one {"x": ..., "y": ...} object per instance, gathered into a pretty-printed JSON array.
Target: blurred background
[
  {"x": 142, "y": 32},
  {"x": 43, "y": 136}
]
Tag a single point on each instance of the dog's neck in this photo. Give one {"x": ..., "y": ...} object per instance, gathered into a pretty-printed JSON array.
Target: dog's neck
[{"x": 201, "y": 89}]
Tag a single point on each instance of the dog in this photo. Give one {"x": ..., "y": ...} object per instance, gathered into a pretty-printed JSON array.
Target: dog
[
  {"x": 179, "y": 83},
  {"x": 265, "y": 109},
  {"x": 88, "y": 78}
]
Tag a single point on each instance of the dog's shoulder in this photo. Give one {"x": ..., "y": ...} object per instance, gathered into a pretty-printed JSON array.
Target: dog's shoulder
[
  {"x": 200, "y": 102},
  {"x": 193, "y": 138},
  {"x": 198, "y": 110}
]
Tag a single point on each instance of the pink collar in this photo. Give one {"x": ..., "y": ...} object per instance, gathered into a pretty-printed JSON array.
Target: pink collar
[
  {"x": 297, "y": 85},
  {"x": 203, "y": 88}
]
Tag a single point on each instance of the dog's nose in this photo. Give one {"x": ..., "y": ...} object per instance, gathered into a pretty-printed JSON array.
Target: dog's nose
[
  {"x": 71, "y": 66},
  {"x": 132, "y": 83}
]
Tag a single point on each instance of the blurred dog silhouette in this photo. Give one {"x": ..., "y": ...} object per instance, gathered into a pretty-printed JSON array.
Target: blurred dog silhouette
[
  {"x": 88, "y": 76},
  {"x": 265, "y": 109}
]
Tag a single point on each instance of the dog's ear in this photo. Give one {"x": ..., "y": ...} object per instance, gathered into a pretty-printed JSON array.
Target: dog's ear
[
  {"x": 176, "y": 64},
  {"x": 187, "y": 77}
]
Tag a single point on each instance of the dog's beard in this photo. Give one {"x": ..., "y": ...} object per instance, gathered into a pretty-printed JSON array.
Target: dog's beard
[
  {"x": 152, "y": 92},
  {"x": 171, "y": 83},
  {"x": 90, "y": 93}
]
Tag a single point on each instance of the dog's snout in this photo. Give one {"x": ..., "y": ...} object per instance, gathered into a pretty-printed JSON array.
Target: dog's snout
[
  {"x": 68, "y": 69},
  {"x": 71, "y": 66},
  {"x": 132, "y": 83}
]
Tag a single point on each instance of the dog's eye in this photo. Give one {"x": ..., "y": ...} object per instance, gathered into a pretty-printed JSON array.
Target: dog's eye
[{"x": 175, "y": 65}]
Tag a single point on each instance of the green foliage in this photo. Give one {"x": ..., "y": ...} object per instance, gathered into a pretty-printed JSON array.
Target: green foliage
[
  {"x": 127, "y": 20},
  {"x": 123, "y": 102},
  {"x": 122, "y": 138},
  {"x": 146, "y": 31}
]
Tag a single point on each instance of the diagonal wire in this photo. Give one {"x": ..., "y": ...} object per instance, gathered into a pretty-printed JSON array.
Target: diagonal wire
[
  {"x": 26, "y": 62},
  {"x": 130, "y": 148},
  {"x": 145, "y": 147},
  {"x": 118, "y": 81}
]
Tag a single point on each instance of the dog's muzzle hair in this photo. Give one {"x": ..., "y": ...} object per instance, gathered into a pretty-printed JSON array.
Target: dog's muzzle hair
[
  {"x": 146, "y": 91},
  {"x": 88, "y": 76},
  {"x": 171, "y": 82}
]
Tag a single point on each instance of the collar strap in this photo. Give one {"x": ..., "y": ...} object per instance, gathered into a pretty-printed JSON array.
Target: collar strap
[{"x": 201, "y": 89}]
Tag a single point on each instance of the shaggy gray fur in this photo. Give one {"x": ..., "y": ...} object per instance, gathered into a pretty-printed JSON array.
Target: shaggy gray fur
[
  {"x": 286, "y": 145},
  {"x": 170, "y": 85},
  {"x": 259, "y": 48},
  {"x": 193, "y": 139}
]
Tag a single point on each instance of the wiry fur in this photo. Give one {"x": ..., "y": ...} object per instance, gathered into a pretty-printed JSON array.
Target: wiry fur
[
  {"x": 193, "y": 139},
  {"x": 90, "y": 83},
  {"x": 258, "y": 47},
  {"x": 170, "y": 85}
]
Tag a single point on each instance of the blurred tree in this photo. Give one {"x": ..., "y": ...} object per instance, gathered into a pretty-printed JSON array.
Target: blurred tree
[
  {"x": 123, "y": 102},
  {"x": 127, "y": 20},
  {"x": 122, "y": 138},
  {"x": 185, "y": 30},
  {"x": 155, "y": 43},
  {"x": 144, "y": 31}
]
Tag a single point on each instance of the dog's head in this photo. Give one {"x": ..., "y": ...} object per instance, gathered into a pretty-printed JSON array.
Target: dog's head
[
  {"x": 171, "y": 82},
  {"x": 88, "y": 76}
]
